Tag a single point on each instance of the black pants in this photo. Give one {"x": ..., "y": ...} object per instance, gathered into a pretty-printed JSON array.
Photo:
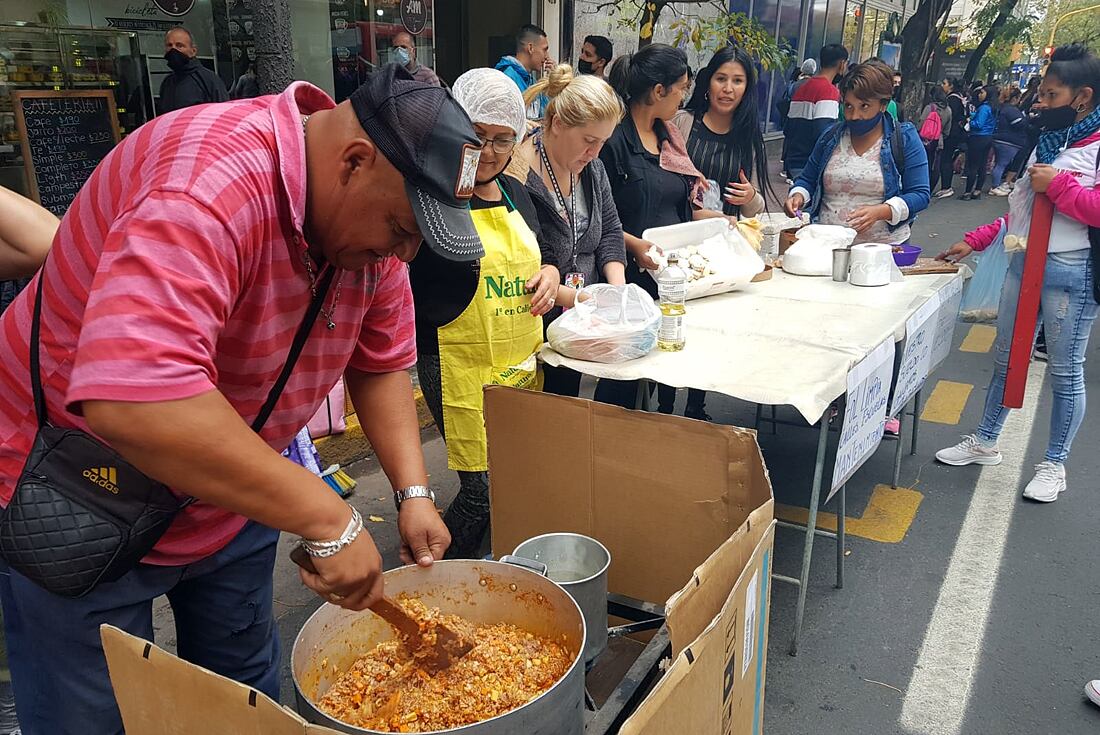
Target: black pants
[
  {"x": 930, "y": 150},
  {"x": 624, "y": 393},
  {"x": 951, "y": 149},
  {"x": 561, "y": 381},
  {"x": 977, "y": 160}
]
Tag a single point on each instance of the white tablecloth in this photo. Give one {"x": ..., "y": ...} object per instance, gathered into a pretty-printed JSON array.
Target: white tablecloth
[{"x": 787, "y": 341}]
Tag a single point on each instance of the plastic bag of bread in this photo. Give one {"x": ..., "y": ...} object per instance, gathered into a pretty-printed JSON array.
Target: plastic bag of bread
[{"x": 615, "y": 324}]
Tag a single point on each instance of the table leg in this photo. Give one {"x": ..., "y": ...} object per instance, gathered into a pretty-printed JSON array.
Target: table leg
[
  {"x": 759, "y": 415},
  {"x": 811, "y": 525},
  {"x": 775, "y": 426},
  {"x": 916, "y": 422},
  {"x": 840, "y": 536},
  {"x": 898, "y": 448}
]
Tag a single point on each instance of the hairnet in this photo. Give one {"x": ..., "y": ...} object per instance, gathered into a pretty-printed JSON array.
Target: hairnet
[
  {"x": 809, "y": 66},
  {"x": 491, "y": 98}
]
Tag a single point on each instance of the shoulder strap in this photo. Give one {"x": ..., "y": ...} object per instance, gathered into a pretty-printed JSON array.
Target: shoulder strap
[{"x": 36, "y": 374}]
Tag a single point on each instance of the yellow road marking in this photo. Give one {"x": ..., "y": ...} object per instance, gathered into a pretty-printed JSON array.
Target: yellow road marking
[
  {"x": 946, "y": 404},
  {"x": 979, "y": 339},
  {"x": 887, "y": 519}
]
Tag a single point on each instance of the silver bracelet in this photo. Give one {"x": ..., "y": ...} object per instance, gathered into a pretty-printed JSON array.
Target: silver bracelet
[{"x": 325, "y": 549}]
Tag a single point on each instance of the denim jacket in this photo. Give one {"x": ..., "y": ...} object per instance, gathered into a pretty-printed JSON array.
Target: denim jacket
[{"x": 906, "y": 190}]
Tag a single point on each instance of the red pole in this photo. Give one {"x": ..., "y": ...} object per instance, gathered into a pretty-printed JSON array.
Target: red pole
[{"x": 1027, "y": 310}]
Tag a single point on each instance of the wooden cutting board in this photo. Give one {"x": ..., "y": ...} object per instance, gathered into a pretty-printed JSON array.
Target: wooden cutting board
[{"x": 929, "y": 266}]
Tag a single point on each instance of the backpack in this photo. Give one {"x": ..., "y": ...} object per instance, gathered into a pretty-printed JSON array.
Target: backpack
[{"x": 932, "y": 127}]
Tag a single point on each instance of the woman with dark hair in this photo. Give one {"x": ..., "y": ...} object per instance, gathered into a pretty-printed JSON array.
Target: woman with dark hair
[
  {"x": 867, "y": 172},
  {"x": 652, "y": 177},
  {"x": 722, "y": 133},
  {"x": 979, "y": 142},
  {"x": 1009, "y": 139},
  {"x": 940, "y": 106},
  {"x": 1064, "y": 167}
]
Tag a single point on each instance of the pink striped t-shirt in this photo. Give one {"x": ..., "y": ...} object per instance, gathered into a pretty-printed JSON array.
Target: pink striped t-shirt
[{"x": 179, "y": 269}]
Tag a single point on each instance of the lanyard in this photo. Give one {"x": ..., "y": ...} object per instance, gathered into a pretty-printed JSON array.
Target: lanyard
[{"x": 570, "y": 209}]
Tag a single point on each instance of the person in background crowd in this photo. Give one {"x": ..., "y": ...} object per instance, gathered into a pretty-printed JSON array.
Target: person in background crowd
[
  {"x": 190, "y": 83},
  {"x": 596, "y": 54},
  {"x": 1009, "y": 139},
  {"x": 815, "y": 107},
  {"x": 26, "y": 231},
  {"x": 940, "y": 107},
  {"x": 246, "y": 86},
  {"x": 1065, "y": 168},
  {"x": 292, "y": 191},
  {"x": 532, "y": 56},
  {"x": 652, "y": 177},
  {"x": 954, "y": 142},
  {"x": 855, "y": 177},
  {"x": 1030, "y": 96},
  {"x": 404, "y": 53},
  {"x": 572, "y": 195},
  {"x": 799, "y": 76},
  {"x": 983, "y": 123},
  {"x": 469, "y": 335},
  {"x": 894, "y": 108}
]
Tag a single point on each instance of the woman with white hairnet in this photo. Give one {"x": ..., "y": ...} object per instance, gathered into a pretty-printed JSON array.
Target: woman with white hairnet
[{"x": 480, "y": 324}]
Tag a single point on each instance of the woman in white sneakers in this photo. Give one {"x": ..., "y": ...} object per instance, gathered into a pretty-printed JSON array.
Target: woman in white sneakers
[{"x": 1064, "y": 166}]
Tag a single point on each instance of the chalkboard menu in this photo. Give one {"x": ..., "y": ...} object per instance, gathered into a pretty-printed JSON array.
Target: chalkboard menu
[{"x": 65, "y": 135}]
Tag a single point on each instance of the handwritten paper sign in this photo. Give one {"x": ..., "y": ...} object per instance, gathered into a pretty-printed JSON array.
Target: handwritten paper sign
[
  {"x": 916, "y": 353},
  {"x": 65, "y": 135},
  {"x": 865, "y": 416},
  {"x": 948, "y": 316}
]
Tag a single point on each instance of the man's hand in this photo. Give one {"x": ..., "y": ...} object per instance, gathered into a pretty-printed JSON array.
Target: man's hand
[
  {"x": 956, "y": 252},
  {"x": 351, "y": 578},
  {"x": 424, "y": 536},
  {"x": 641, "y": 254},
  {"x": 1041, "y": 176},
  {"x": 795, "y": 203}
]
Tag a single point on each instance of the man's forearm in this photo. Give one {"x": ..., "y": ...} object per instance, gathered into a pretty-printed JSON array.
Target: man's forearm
[
  {"x": 26, "y": 232},
  {"x": 201, "y": 447},
  {"x": 387, "y": 412}
]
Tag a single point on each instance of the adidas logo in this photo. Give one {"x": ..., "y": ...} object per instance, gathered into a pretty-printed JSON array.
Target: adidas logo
[{"x": 104, "y": 477}]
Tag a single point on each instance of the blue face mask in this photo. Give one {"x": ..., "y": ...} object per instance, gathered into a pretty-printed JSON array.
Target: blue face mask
[
  {"x": 401, "y": 55},
  {"x": 862, "y": 127}
]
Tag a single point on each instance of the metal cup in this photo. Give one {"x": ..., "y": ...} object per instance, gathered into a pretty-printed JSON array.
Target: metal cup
[{"x": 841, "y": 260}]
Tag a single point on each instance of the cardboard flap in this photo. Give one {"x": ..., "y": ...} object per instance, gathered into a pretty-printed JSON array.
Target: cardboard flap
[
  {"x": 646, "y": 485},
  {"x": 160, "y": 694}
]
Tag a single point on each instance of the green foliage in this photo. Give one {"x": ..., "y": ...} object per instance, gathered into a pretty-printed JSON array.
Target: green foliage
[
  {"x": 711, "y": 34},
  {"x": 1084, "y": 27}
]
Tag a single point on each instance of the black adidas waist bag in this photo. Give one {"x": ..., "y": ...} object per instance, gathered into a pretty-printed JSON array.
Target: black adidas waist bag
[{"x": 81, "y": 514}]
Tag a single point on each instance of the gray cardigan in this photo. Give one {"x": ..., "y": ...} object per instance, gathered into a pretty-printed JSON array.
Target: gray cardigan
[{"x": 600, "y": 244}]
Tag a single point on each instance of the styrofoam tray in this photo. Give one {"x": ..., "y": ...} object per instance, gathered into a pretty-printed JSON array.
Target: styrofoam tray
[{"x": 678, "y": 237}]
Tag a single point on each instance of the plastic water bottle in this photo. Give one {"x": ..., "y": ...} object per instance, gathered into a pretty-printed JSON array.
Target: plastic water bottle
[{"x": 671, "y": 291}]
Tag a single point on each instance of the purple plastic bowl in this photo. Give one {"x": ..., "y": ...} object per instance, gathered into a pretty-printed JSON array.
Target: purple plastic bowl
[{"x": 907, "y": 256}]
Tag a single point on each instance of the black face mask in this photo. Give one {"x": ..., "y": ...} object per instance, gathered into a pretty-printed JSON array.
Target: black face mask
[
  {"x": 1057, "y": 118},
  {"x": 584, "y": 67},
  {"x": 176, "y": 59}
]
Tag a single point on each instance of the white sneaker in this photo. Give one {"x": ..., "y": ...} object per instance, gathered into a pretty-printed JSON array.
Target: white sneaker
[
  {"x": 1049, "y": 481},
  {"x": 1000, "y": 191},
  {"x": 969, "y": 451},
  {"x": 1092, "y": 691},
  {"x": 945, "y": 193},
  {"x": 1010, "y": 185}
]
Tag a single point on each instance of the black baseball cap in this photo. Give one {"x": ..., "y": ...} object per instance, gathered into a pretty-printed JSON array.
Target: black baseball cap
[{"x": 429, "y": 138}]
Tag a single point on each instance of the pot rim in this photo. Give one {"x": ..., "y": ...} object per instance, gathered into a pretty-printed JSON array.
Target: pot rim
[
  {"x": 578, "y": 659},
  {"x": 603, "y": 570}
]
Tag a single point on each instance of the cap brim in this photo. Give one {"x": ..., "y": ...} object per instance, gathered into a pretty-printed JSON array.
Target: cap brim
[{"x": 449, "y": 231}]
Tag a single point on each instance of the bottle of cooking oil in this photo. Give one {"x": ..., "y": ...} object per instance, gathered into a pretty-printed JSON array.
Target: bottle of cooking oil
[{"x": 671, "y": 290}]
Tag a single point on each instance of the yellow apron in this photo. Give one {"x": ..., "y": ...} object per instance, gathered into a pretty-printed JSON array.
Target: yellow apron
[{"x": 495, "y": 339}]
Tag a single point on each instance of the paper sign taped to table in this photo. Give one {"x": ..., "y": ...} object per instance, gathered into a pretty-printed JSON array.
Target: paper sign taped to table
[
  {"x": 916, "y": 356},
  {"x": 950, "y": 302},
  {"x": 865, "y": 415}
]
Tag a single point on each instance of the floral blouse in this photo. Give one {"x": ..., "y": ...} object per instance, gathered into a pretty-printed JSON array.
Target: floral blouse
[{"x": 852, "y": 181}]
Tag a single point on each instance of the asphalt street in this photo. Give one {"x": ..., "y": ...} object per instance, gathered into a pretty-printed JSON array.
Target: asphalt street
[{"x": 978, "y": 613}]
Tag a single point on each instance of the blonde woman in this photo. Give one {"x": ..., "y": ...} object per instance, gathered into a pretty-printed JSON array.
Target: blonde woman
[{"x": 567, "y": 182}]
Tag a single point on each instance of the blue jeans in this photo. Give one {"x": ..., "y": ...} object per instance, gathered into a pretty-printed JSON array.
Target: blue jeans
[
  {"x": 1068, "y": 311},
  {"x": 1004, "y": 154},
  {"x": 223, "y": 611}
]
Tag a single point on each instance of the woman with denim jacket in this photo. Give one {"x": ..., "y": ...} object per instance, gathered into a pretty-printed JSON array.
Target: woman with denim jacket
[{"x": 867, "y": 172}]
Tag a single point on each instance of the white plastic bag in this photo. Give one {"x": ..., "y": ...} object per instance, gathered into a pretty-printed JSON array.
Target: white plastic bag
[
  {"x": 615, "y": 324},
  {"x": 983, "y": 295},
  {"x": 1020, "y": 203}
]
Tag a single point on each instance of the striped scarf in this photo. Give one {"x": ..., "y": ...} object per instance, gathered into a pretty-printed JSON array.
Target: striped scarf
[{"x": 1053, "y": 142}]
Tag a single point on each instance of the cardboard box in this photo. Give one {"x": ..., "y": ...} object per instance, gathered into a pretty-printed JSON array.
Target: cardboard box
[
  {"x": 716, "y": 683},
  {"x": 660, "y": 492},
  {"x": 159, "y": 694}
]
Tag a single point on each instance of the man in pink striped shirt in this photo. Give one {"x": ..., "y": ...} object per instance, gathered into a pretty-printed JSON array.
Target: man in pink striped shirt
[{"x": 174, "y": 288}]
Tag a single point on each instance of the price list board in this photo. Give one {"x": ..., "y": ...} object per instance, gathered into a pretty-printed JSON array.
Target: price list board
[{"x": 65, "y": 135}]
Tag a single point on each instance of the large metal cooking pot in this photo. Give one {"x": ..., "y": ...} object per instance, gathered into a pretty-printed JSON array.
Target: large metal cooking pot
[{"x": 483, "y": 592}]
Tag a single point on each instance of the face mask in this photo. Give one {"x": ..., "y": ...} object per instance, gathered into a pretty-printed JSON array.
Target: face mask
[
  {"x": 584, "y": 67},
  {"x": 176, "y": 59},
  {"x": 1057, "y": 118},
  {"x": 401, "y": 56},
  {"x": 862, "y": 127}
]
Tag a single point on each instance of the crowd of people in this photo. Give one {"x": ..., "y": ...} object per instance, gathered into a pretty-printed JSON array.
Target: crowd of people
[{"x": 505, "y": 195}]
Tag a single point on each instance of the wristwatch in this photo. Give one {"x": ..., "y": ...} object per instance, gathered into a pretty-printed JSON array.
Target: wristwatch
[{"x": 413, "y": 491}]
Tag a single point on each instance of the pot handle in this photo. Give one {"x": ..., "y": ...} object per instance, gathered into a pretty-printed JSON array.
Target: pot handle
[{"x": 518, "y": 561}]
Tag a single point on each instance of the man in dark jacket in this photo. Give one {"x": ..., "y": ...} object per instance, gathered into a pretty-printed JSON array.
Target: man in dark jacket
[
  {"x": 190, "y": 83},
  {"x": 954, "y": 142}
]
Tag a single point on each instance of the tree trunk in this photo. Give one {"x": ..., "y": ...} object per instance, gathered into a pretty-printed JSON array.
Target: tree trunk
[
  {"x": 1007, "y": 6},
  {"x": 274, "y": 47},
  {"x": 918, "y": 40},
  {"x": 648, "y": 23}
]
